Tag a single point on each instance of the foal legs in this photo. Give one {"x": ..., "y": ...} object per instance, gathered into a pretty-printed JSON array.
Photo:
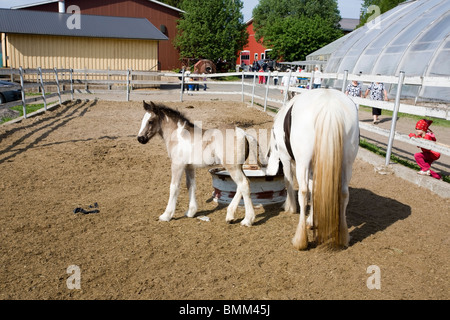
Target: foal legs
[
  {"x": 242, "y": 190},
  {"x": 190, "y": 184},
  {"x": 177, "y": 172}
]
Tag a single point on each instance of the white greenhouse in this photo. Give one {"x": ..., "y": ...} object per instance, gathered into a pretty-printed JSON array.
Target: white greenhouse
[{"x": 414, "y": 37}]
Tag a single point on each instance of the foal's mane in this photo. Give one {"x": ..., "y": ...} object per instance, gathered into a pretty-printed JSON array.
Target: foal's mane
[{"x": 161, "y": 110}]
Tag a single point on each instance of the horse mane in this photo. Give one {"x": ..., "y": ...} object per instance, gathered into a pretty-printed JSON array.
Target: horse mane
[{"x": 162, "y": 110}]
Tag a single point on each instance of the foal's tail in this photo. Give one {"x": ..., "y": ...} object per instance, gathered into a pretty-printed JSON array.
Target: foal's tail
[
  {"x": 253, "y": 151},
  {"x": 327, "y": 176}
]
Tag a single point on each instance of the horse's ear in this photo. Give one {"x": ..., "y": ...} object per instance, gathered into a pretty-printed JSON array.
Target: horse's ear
[{"x": 149, "y": 106}]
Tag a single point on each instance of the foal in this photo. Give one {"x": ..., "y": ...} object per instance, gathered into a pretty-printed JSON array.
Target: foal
[{"x": 189, "y": 146}]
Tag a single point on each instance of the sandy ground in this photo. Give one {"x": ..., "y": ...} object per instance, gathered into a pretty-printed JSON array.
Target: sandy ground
[{"x": 86, "y": 152}]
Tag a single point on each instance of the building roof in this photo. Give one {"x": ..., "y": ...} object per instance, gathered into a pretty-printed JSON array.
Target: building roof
[
  {"x": 57, "y": 24},
  {"x": 413, "y": 37},
  {"x": 52, "y": 1},
  {"x": 348, "y": 24}
]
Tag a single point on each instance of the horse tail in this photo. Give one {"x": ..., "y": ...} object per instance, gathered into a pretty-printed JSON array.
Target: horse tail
[
  {"x": 327, "y": 177},
  {"x": 253, "y": 151}
]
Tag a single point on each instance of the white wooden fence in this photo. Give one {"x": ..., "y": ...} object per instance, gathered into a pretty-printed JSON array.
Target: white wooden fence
[{"x": 79, "y": 80}]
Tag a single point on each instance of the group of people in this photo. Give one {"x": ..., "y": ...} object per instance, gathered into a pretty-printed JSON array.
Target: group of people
[
  {"x": 377, "y": 92},
  {"x": 292, "y": 81},
  {"x": 192, "y": 82}
]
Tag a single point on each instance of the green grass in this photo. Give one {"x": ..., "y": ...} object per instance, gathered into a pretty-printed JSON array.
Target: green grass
[
  {"x": 436, "y": 121},
  {"x": 229, "y": 78},
  {"x": 29, "y": 108}
]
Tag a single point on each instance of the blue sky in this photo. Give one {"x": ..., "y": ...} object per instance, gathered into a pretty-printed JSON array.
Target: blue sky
[{"x": 348, "y": 8}]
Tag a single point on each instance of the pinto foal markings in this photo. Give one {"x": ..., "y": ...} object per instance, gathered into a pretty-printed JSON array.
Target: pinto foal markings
[{"x": 189, "y": 147}]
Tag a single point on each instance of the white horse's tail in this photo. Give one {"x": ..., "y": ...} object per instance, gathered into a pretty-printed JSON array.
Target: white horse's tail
[{"x": 327, "y": 166}]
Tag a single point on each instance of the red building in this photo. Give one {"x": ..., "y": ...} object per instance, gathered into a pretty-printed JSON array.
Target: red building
[
  {"x": 253, "y": 51},
  {"x": 161, "y": 15}
]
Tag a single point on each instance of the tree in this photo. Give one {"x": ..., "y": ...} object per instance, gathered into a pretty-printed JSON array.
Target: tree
[
  {"x": 295, "y": 28},
  {"x": 211, "y": 29},
  {"x": 383, "y": 5},
  {"x": 294, "y": 38}
]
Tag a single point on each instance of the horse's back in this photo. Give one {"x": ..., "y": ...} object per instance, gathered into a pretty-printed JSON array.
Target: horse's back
[
  {"x": 305, "y": 116},
  {"x": 312, "y": 102}
]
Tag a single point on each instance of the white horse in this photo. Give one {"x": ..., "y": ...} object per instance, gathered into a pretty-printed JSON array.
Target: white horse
[
  {"x": 189, "y": 147},
  {"x": 317, "y": 135}
]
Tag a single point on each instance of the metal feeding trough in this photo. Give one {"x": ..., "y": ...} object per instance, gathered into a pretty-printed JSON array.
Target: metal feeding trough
[{"x": 264, "y": 189}]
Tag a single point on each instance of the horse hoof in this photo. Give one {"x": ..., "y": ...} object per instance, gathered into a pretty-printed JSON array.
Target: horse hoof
[
  {"x": 164, "y": 218},
  {"x": 246, "y": 223},
  {"x": 300, "y": 244}
]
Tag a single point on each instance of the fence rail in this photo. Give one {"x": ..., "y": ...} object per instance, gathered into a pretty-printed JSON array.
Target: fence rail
[{"x": 43, "y": 78}]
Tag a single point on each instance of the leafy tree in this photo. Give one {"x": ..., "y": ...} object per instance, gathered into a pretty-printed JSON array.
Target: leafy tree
[
  {"x": 384, "y": 5},
  {"x": 295, "y": 28},
  {"x": 211, "y": 29},
  {"x": 294, "y": 38}
]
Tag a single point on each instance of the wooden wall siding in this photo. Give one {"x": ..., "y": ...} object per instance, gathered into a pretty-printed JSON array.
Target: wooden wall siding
[
  {"x": 158, "y": 15},
  {"x": 32, "y": 51}
]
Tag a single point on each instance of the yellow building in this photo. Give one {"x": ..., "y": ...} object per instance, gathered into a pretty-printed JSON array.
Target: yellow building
[{"x": 32, "y": 39}]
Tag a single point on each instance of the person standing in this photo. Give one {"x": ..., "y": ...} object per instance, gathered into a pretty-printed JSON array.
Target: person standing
[
  {"x": 354, "y": 90},
  {"x": 317, "y": 78},
  {"x": 287, "y": 81},
  {"x": 275, "y": 77},
  {"x": 262, "y": 79},
  {"x": 378, "y": 93}
]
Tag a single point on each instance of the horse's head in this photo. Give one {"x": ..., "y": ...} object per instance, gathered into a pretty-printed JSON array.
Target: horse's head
[{"x": 150, "y": 123}]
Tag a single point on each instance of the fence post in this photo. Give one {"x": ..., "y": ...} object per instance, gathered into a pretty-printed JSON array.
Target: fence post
[
  {"x": 267, "y": 92},
  {"x": 182, "y": 86},
  {"x": 311, "y": 83},
  {"x": 286, "y": 87},
  {"x": 22, "y": 90},
  {"x": 85, "y": 81},
  {"x": 42, "y": 88},
  {"x": 344, "y": 81},
  {"x": 253, "y": 87},
  {"x": 401, "y": 77},
  {"x": 57, "y": 85},
  {"x": 109, "y": 78},
  {"x": 71, "y": 83},
  {"x": 242, "y": 85},
  {"x": 128, "y": 84}
]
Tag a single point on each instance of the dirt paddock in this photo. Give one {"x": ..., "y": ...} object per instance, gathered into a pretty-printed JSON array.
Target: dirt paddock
[{"x": 86, "y": 152}]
